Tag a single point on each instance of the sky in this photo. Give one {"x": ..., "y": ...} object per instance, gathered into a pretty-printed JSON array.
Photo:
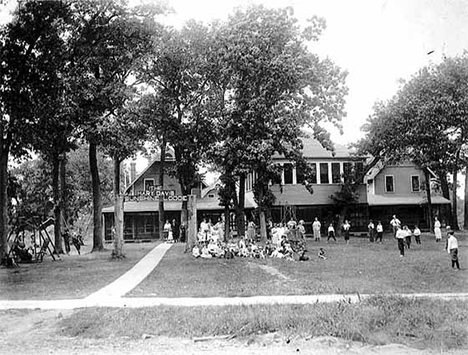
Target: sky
[{"x": 378, "y": 42}]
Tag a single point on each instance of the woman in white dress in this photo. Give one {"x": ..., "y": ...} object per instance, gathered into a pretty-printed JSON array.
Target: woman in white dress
[{"x": 437, "y": 231}]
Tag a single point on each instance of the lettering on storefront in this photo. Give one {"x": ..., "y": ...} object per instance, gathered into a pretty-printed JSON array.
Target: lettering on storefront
[{"x": 154, "y": 195}]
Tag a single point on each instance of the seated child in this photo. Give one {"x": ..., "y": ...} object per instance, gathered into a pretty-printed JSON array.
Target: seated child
[
  {"x": 196, "y": 251},
  {"x": 205, "y": 253},
  {"x": 321, "y": 254}
]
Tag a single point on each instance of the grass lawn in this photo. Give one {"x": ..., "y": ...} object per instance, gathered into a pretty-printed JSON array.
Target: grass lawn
[
  {"x": 421, "y": 323},
  {"x": 74, "y": 276},
  {"x": 357, "y": 267}
]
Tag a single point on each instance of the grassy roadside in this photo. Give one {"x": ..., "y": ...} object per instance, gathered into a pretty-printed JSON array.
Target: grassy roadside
[
  {"x": 423, "y": 323},
  {"x": 74, "y": 276},
  {"x": 357, "y": 267}
]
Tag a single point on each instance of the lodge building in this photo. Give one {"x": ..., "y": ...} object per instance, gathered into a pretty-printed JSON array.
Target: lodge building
[{"x": 385, "y": 190}]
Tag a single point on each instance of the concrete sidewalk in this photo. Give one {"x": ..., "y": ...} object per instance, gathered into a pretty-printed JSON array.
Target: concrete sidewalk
[
  {"x": 112, "y": 294},
  {"x": 132, "y": 277},
  {"x": 140, "y": 302}
]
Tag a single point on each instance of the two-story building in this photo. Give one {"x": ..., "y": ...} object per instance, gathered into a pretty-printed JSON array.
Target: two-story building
[
  {"x": 400, "y": 190},
  {"x": 384, "y": 191}
]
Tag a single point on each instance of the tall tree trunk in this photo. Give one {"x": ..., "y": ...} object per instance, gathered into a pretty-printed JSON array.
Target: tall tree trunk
[
  {"x": 57, "y": 204},
  {"x": 465, "y": 221},
  {"x": 446, "y": 193},
  {"x": 429, "y": 198},
  {"x": 227, "y": 224},
  {"x": 191, "y": 222},
  {"x": 455, "y": 225},
  {"x": 4, "y": 153},
  {"x": 161, "y": 184},
  {"x": 98, "y": 244},
  {"x": 63, "y": 189},
  {"x": 240, "y": 214},
  {"x": 118, "y": 213}
]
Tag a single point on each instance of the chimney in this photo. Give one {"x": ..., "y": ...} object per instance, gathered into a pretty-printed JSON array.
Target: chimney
[{"x": 132, "y": 171}]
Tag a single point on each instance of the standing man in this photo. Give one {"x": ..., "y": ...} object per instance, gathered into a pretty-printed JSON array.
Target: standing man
[
  {"x": 400, "y": 237},
  {"x": 452, "y": 249},
  {"x": 379, "y": 231},
  {"x": 395, "y": 223},
  {"x": 346, "y": 227},
  {"x": 175, "y": 231},
  {"x": 316, "y": 229}
]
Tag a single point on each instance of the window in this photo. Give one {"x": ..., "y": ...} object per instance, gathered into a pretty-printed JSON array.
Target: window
[
  {"x": 313, "y": 174},
  {"x": 336, "y": 176},
  {"x": 299, "y": 175},
  {"x": 389, "y": 183},
  {"x": 359, "y": 167},
  {"x": 415, "y": 185},
  {"x": 288, "y": 174},
  {"x": 347, "y": 171},
  {"x": 149, "y": 185},
  {"x": 324, "y": 173}
]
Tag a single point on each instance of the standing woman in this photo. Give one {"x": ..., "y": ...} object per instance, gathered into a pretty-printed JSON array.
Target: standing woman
[
  {"x": 251, "y": 231},
  {"x": 371, "y": 231},
  {"x": 316, "y": 229},
  {"x": 437, "y": 231}
]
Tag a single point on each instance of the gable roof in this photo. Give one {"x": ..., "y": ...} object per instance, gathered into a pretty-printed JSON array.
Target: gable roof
[{"x": 312, "y": 148}]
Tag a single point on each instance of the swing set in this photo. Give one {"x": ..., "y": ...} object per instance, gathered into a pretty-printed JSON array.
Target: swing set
[{"x": 41, "y": 243}]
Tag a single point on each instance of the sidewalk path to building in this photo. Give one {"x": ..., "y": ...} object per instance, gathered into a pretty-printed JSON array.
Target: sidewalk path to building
[{"x": 112, "y": 294}]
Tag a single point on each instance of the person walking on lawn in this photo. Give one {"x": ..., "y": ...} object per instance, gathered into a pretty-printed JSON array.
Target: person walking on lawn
[
  {"x": 400, "y": 237},
  {"x": 452, "y": 249}
]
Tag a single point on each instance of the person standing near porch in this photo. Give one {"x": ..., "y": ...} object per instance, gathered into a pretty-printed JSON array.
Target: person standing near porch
[
  {"x": 175, "y": 231},
  {"x": 316, "y": 229},
  {"x": 379, "y": 230},
  {"x": 417, "y": 235},
  {"x": 371, "y": 231},
  {"x": 167, "y": 230},
  {"x": 396, "y": 224},
  {"x": 437, "y": 230},
  {"x": 346, "y": 227}
]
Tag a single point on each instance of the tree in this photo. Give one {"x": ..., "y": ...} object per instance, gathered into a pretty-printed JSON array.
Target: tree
[
  {"x": 176, "y": 73},
  {"x": 109, "y": 37},
  {"x": 272, "y": 87},
  {"x": 426, "y": 123},
  {"x": 23, "y": 78}
]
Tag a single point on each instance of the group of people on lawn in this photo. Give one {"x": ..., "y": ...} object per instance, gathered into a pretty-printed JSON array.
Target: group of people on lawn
[{"x": 288, "y": 240}]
